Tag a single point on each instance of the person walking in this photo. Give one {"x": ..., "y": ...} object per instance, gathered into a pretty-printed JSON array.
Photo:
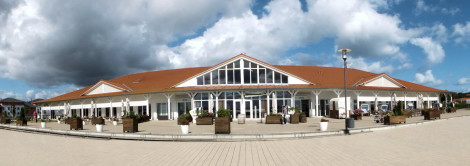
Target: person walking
[{"x": 284, "y": 113}]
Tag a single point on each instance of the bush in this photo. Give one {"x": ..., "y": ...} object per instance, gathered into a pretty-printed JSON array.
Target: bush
[
  {"x": 398, "y": 110},
  {"x": 132, "y": 115},
  {"x": 461, "y": 105},
  {"x": 223, "y": 113},
  {"x": 302, "y": 114}
]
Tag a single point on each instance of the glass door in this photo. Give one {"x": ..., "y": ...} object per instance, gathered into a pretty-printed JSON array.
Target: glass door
[{"x": 248, "y": 110}]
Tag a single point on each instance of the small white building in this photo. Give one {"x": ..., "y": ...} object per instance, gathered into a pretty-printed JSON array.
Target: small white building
[{"x": 244, "y": 85}]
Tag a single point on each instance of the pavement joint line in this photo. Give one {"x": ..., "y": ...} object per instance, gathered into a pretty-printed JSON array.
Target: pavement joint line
[{"x": 213, "y": 137}]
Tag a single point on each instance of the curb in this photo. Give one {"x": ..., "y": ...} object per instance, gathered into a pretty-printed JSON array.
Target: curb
[{"x": 209, "y": 137}]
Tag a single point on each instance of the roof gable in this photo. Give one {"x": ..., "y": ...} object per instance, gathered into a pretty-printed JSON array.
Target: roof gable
[
  {"x": 381, "y": 80},
  {"x": 242, "y": 62},
  {"x": 103, "y": 87}
]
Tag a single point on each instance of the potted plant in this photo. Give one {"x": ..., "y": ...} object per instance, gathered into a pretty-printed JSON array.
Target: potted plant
[
  {"x": 357, "y": 114},
  {"x": 22, "y": 119},
  {"x": 115, "y": 120},
  {"x": 295, "y": 118},
  {"x": 431, "y": 114},
  {"x": 396, "y": 116},
  {"x": 129, "y": 122},
  {"x": 76, "y": 123},
  {"x": 303, "y": 117},
  {"x": 184, "y": 123},
  {"x": 274, "y": 119},
  {"x": 97, "y": 120},
  {"x": 99, "y": 126},
  {"x": 187, "y": 115},
  {"x": 43, "y": 123},
  {"x": 323, "y": 124},
  {"x": 222, "y": 122},
  {"x": 205, "y": 118}
]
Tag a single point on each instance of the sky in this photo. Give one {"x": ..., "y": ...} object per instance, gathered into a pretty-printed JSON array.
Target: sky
[{"x": 51, "y": 47}]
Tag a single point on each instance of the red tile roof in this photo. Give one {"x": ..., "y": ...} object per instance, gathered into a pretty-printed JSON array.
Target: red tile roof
[{"x": 166, "y": 80}]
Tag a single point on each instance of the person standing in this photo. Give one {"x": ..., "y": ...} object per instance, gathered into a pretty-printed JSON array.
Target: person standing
[
  {"x": 284, "y": 113},
  {"x": 35, "y": 117}
]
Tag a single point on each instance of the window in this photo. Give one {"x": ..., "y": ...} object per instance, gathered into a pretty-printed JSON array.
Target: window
[
  {"x": 215, "y": 77},
  {"x": 200, "y": 81},
  {"x": 207, "y": 79},
  {"x": 277, "y": 77},
  {"x": 254, "y": 76},
  {"x": 230, "y": 76},
  {"x": 246, "y": 76},
  {"x": 284, "y": 79},
  {"x": 269, "y": 76},
  {"x": 262, "y": 76},
  {"x": 222, "y": 76},
  {"x": 237, "y": 76},
  {"x": 162, "y": 109}
]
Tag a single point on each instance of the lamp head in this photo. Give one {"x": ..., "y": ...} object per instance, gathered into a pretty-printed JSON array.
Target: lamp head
[{"x": 344, "y": 51}]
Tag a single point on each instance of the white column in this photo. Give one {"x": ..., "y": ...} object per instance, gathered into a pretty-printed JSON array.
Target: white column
[
  {"x": 429, "y": 104},
  {"x": 92, "y": 106},
  {"x": 168, "y": 97},
  {"x": 216, "y": 94},
  {"x": 358, "y": 93},
  {"x": 268, "y": 107},
  {"x": 376, "y": 94},
  {"x": 110, "y": 107},
  {"x": 274, "y": 102},
  {"x": 293, "y": 93},
  {"x": 316, "y": 93},
  {"x": 81, "y": 108},
  {"x": 147, "y": 98},
  {"x": 242, "y": 105},
  {"x": 191, "y": 95},
  {"x": 404, "y": 98}
]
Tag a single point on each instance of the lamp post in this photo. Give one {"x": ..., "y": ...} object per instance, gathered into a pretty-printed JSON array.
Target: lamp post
[{"x": 344, "y": 51}]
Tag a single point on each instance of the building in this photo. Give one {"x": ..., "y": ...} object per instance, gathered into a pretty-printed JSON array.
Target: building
[
  {"x": 244, "y": 85},
  {"x": 12, "y": 107}
]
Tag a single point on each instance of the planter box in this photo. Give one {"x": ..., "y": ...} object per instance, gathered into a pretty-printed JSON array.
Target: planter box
[
  {"x": 130, "y": 125},
  {"x": 334, "y": 114},
  {"x": 76, "y": 124},
  {"x": 428, "y": 115},
  {"x": 6, "y": 121},
  {"x": 356, "y": 117},
  {"x": 95, "y": 121},
  {"x": 294, "y": 118},
  {"x": 407, "y": 114},
  {"x": 222, "y": 125},
  {"x": 22, "y": 122},
  {"x": 303, "y": 119},
  {"x": 389, "y": 120},
  {"x": 67, "y": 121},
  {"x": 273, "y": 119},
  {"x": 451, "y": 110},
  {"x": 204, "y": 121}
]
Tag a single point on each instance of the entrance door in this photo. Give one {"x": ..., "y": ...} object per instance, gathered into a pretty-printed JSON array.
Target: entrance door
[
  {"x": 305, "y": 106},
  {"x": 256, "y": 109},
  {"x": 248, "y": 110},
  {"x": 237, "y": 108},
  {"x": 162, "y": 111}
]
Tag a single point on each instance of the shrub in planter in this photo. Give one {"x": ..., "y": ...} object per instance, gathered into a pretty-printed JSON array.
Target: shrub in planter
[
  {"x": 222, "y": 122},
  {"x": 205, "y": 118},
  {"x": 431, "y": 114},
  {"x": 274, "y": 119},
  {"x": 130, "y": 122},
  {"x": 97, "y": 120},
  {"x": 76, "y": 123},
  {"x": 396, "y": 117},
  {"x": 303, "y": 117},
  {"x": 99, "y": 126},
  {"x": 184, "y": 123},
  {"x": 22, "y": 119},
  {"x": 295, "y": 118}
]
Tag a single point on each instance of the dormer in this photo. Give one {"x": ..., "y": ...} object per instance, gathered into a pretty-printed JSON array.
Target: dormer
[
  {"x": 381, "y": 80},
  {"x": 103, "y": 87}
]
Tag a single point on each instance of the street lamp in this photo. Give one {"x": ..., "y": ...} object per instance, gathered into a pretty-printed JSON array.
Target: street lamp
[{"x": 345, "y": 51}]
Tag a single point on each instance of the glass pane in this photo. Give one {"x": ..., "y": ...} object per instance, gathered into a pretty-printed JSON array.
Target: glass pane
[
  {"x": 230, "y": 105},
  {"x": 205, "y": 105},
  {"x": 164, "y": 111},
  {"x": 246, "y": 64},
  {"x": 246, "y": 75},
  {"x": 215, "y": 77},
  {"x": 237, "y": 95},
  {"x": 287, "y": 94},
  {"x": 284, "y": 79},
  {"x": 254, "y": 76},
  {"x": 200, "y": 81},
  {"x": 207, "y": 79},
  {"x": 230, "y": 66},
  {"x": 262, "y": 76},
  {"x": 279, "y": 94},
  {"x": 222, "y": 76},
  {"x": 198, "y": 96},
  {"x": 297, "y": 104},
  {"x": 277, "y": 77},
  {"x": 269, "y": 76},
  {"x": 237, "y": 76},
  {"x": 229, "y": 95},
  {"x": 204, "y": 96},
  {"x": 230, "y": 76},
  {"x": 237, "y": 64},
  {"x": 253, "y": 65},
  {"x": 222, "y": 96}
]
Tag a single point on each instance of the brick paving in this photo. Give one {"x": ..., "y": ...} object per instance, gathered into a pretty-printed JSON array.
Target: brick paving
[{"x": 440, "y": 143}]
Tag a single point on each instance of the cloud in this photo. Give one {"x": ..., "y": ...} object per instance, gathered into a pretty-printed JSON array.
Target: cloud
[
  {"x": 463, "y": 81},
  {"x": 434, "y": 51},
  {"x": 422, "y": 7},
  {"x": 47, "y": 43},
  {"x": 37, "y": 94},
  {"x": 461, "y": 32},
  {"x": 427, "y": 78}
]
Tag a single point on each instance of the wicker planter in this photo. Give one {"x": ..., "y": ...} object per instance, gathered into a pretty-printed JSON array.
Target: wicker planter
[
  {"x": 356, "y": 116},
  {"x": 204, "y": 121},
  {"x": 428, "y": 115},
  {"x": 22, "y": 122},
  {"x": 407, "y": 114},
  {"x": 303, "y": 119},
  {"x": 6, "y": 121},
  {"x": 130, "y": 125},
  {"x": 451, "y": 110},
  {"x": 295, "y": 118},
  {"x": 273, "y": 119},
  {"x": 76, "y": 124},
  {"x": 334, "y": 114},
  {"x": 95, "y": 121},
  {"x": 389, "y": 120},
  {"x": 222, "y": 125}
]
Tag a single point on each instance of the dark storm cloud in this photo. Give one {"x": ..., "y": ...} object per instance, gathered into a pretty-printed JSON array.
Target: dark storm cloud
[{"x": 6, "y": 6}]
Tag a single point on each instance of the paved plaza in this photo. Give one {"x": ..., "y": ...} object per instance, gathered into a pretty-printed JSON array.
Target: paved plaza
[{"x": 442, "y": 142}]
